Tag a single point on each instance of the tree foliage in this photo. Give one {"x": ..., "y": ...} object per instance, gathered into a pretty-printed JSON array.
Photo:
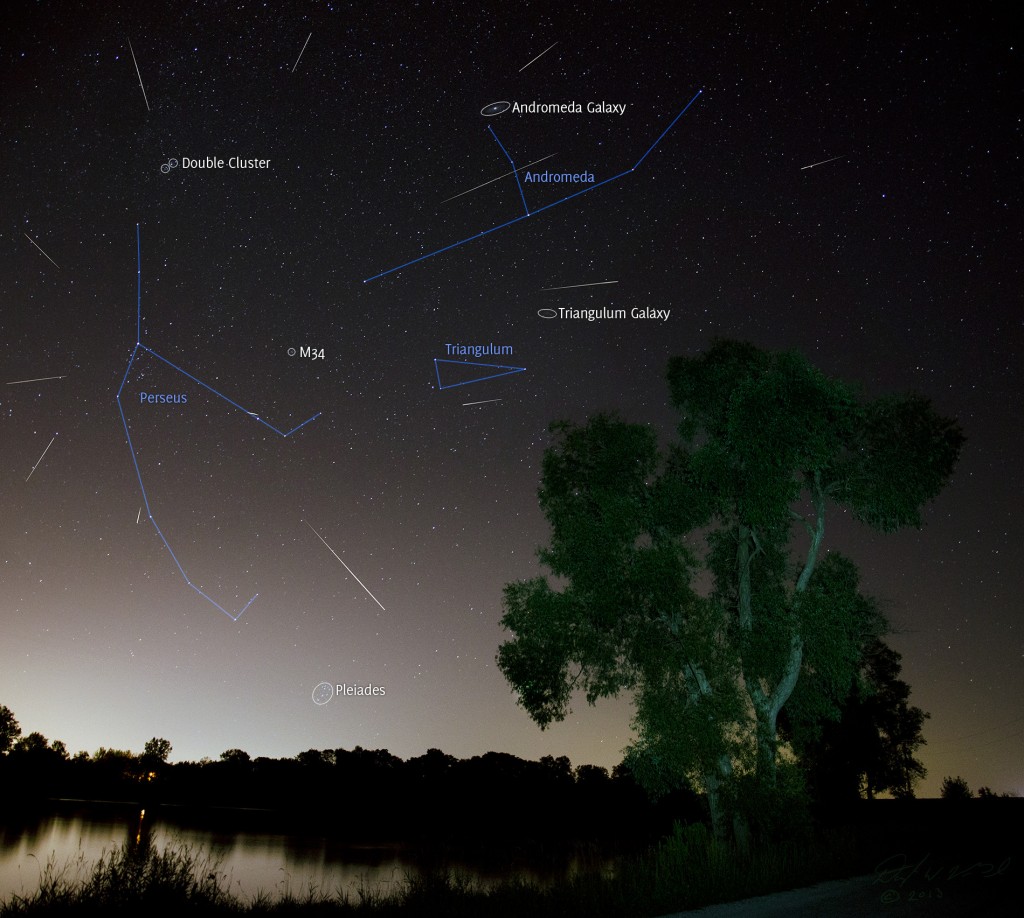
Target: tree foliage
[
  {"x": 157, "y": 750},
  {"x": 10, "y": 729},
  {"x": 871, "y": 748},
  {"x": 366, "y": 794},
  {"x": 153, "y": 760},
  {"x": 955, "y": 789},
  {"x": 766, "y": 444},
  {"x": 627, "y": 617}
]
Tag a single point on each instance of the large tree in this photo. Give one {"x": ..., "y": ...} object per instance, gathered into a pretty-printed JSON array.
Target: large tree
[{"x": 766, "y": 444}]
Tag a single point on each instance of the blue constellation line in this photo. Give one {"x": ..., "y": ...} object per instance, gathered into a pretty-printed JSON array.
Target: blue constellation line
[
  {"x": 528, "y": 214},
  {"x": 508, "y": 371},
  {"x": 515, "y": 171},
  {"x": 255, "y": 417},
  {"x": 138, "y": 473}
]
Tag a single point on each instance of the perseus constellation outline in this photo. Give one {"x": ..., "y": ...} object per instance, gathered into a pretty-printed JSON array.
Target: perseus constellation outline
[{"x": 138, "y": 473}]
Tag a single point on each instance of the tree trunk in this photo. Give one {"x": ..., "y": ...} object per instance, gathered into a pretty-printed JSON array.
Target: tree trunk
[
  {"x": 714, "y": 779},
  {"x": 767, "y": 708},
  {"x": 768, "y": 704},
  {"x": 715, "y": 805},
  {"x": 767, "y": 747}
]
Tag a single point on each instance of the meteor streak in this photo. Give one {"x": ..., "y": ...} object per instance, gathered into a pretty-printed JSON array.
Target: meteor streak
[
  {"x": 36, "y": 244},
  {"x": 299, "y": 58},
  {"x": 488, "y": 182},
  {"x": 538, "y": 57},
  {"x": 143, "y": 88},
  {"x": 336, "y": 555},
  {"x": 571, "y": 286},
  {"x": 822, "y": 163},
  {"x": 19, "y": 382},
  {"x": 40, "y": 459}
]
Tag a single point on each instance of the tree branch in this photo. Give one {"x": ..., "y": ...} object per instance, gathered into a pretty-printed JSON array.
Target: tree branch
[
  {"x": 745, "y": 598},
  {"x": 802, "y": 519},
  {"x": 818, "y": 533},
  {"x": 788, "y": 681},
  {"x": 758, "y": 550},
  {"x": 756, "y": 693},
  {"x": 702, "y": 680}
]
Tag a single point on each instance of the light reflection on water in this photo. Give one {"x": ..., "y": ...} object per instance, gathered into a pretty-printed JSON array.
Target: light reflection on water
[{"x": 246, "y": 862}]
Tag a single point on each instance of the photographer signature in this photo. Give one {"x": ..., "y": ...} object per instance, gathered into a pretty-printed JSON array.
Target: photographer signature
[
  {"x": 898, "y": 870},
  {"x": 926, "y": 874}
]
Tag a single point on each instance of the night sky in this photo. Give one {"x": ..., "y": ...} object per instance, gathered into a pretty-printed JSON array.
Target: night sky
[{"x": 895, "y": 264}]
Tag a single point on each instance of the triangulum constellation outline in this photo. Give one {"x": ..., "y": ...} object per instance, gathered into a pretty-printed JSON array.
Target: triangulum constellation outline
[{"x": 139, "y": 346}]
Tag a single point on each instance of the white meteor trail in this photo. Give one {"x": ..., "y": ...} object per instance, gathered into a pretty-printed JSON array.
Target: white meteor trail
[
  {"x": 36, "y": 244},
  {"x": 336, "y": 555},
  {"x": 822, "y": 163},
  {"x": 503, "y": 175},
  {"x": 139, "y": 517},
  {"x": 486, "y": 401},
  {"x": 571, "y": 286},
  {"x": 538, "y": 57},
  {"x": 40, "y": 459},
  {"x": 143, "y": 88},
  {"x": 21, "y": 382},
  {"x": 299, "y": 58}
]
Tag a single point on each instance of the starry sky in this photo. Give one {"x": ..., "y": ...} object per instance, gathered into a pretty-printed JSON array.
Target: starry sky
[{"x": 895, "y": 265}]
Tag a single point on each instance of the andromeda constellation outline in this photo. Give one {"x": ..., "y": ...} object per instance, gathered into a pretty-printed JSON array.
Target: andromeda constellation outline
[
  {"x": 529, "y": 213},
  {"x": 139, "y": 346}
]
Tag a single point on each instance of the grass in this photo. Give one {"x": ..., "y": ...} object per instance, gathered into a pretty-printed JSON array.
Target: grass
[
  {"x": 136, "y": 880},
  {"x": 686, "y": 870}
]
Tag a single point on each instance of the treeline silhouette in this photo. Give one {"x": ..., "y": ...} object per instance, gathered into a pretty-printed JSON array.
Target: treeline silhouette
[{"x": 361, "y": 794}]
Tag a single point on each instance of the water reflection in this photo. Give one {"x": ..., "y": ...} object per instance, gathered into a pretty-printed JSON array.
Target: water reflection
[{"x": 248, "y": 862}]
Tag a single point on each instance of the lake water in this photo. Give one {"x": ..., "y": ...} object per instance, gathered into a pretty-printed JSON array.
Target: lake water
[{"x": 74, "y": 836}]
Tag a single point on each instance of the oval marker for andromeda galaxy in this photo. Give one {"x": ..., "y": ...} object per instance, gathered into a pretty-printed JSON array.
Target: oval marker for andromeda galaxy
[
  {"x": 495, "y": 108},
  {"x": 547, "y": 313}
]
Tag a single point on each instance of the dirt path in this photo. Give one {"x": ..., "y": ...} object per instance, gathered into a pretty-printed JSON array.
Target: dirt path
[{"x": 982, "y": 897}]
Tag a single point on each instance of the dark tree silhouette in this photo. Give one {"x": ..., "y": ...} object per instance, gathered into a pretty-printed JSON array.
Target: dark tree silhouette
[
  {"x": 899, "y": 724},
  {"x": 955, "y": 789},
  {"x": 872, "y": 747},
  {"x": 157, "y": 750},
  {"x": 363, "y": 794},
  {"x": 34, "y": 745},
  {"x": 10, "y": 730},
  {"x": 154, "y": 757}
]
